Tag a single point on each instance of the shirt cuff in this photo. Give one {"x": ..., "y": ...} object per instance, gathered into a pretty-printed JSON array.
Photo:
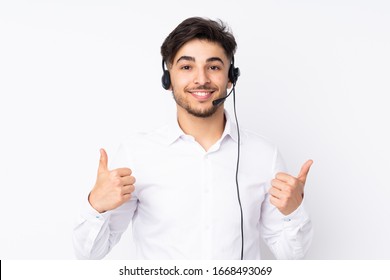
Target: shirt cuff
[
  {"x": 90, "y": 213},
  {"x": 296, "y": 218}
]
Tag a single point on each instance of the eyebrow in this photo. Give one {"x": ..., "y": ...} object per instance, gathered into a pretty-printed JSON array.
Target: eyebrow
[{"x": 191, "y": 58}]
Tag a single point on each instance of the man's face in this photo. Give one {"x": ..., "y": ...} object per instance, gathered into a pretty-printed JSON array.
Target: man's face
[{"x": 199, "y": 75}]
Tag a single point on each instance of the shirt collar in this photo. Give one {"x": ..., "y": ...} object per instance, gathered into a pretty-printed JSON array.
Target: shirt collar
[
  {"x": 230, "y": 128},
  {"x": 171, "y": 132}
]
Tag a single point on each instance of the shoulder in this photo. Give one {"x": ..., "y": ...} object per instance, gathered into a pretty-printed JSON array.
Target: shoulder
[
  {"x": 254, "y": 139},
  {"x": 259, "y": 156},
  {"x": 146, "y": 138},
  {"x": 133, "y": 137}
]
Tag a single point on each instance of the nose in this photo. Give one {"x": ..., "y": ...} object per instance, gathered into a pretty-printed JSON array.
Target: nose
[{"x": 201, "y": 77}]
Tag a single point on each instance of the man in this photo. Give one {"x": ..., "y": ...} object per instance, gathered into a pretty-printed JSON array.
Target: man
[{"x": 204, "y": 190}]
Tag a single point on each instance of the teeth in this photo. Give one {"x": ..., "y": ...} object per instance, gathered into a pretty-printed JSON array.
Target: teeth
[{"x": 200, "y": 93}]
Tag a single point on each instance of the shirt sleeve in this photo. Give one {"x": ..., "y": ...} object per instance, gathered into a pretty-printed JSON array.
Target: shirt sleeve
[
  {"x": 94, "y": 233},
  {"x": 290, "y": 236}
]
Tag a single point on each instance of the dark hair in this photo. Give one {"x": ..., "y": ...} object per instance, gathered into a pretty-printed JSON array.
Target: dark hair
[{"x": 198, "y": 28}]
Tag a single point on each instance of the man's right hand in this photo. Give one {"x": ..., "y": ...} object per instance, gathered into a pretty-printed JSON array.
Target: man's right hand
[{"x": 112, "y": 188}]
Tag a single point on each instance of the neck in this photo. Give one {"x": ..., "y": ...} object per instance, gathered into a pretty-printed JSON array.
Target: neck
[{"x": 206, "y": 131}]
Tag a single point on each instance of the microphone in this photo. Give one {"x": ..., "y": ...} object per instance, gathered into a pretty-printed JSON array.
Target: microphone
[{"x": 216, "y": 102}]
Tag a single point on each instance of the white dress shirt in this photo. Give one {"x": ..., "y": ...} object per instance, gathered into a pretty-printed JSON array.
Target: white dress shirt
[{"x": 185, "y": 203}]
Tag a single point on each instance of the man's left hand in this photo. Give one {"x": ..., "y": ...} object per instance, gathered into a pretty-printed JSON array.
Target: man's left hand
[{"x": 287, "y": 191}]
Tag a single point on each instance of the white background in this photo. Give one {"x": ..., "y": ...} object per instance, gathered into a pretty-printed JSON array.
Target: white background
[{"x": 79, "y": 75}]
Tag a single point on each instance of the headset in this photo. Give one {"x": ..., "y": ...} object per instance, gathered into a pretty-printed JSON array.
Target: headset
[
  {"x": 166, "y": 78},
  {"x": 233, "y": 74}
]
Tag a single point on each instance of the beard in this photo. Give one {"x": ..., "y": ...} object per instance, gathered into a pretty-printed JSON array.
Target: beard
[{"x": 200, "y": 113}]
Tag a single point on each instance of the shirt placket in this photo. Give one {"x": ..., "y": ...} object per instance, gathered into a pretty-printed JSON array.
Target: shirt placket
[{"x": 206, "y": 206}]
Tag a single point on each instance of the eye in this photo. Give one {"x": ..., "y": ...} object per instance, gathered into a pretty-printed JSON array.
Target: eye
[
  {"x": 215, "y": 67},
  {"x": 185, "y": 67}
]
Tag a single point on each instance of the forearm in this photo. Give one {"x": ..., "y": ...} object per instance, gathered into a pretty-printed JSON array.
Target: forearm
[
  {"x": 95, "y": 234},
  {"x": 290, "y": 239},
  {"x": 91, "y": 236}
]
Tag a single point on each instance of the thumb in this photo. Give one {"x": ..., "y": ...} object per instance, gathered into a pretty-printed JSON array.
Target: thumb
[
  {"x": 305, "y": 170},
  {"x": 103, "y": 163}
]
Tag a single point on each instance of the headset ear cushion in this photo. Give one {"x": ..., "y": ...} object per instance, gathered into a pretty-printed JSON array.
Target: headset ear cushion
[
  {"x": 234, "y": 73},
  {"x": 166, "y": 80},
  {"x": 231, "y": 77}
]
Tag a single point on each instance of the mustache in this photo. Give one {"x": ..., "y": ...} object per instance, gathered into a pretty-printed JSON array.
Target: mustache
[{"x": 203, "y": 88}]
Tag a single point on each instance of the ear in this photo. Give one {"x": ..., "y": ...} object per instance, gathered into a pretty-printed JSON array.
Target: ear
[{"x": 229, "y": 85}]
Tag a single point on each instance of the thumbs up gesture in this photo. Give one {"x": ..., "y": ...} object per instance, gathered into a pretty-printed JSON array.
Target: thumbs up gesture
[
  {"x": 287, "y": 191},
  {"x": 112, "y": 188}
]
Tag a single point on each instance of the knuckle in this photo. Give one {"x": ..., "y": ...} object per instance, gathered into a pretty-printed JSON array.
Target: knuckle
[
  {"x": 288, "y": 192},
  {"x": 116, "y": 181},
  {"x": 126, "y": 171},
  {"x": 278, "y": 175},
  {"x": 114, "y": 173},
  {"x": 292, "y": 181}
]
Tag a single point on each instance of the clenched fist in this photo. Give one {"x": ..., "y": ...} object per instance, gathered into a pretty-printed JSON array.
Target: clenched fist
[
  {"x": 287, "y": 191},
  {"x": 112, "y": 188}
]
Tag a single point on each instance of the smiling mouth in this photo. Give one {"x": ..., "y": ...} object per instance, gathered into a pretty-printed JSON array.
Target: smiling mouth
[{"x": 201, "y": 94}]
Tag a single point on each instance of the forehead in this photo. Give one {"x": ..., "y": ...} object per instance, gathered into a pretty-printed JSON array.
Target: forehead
[{"x": 201, "y": 50}]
